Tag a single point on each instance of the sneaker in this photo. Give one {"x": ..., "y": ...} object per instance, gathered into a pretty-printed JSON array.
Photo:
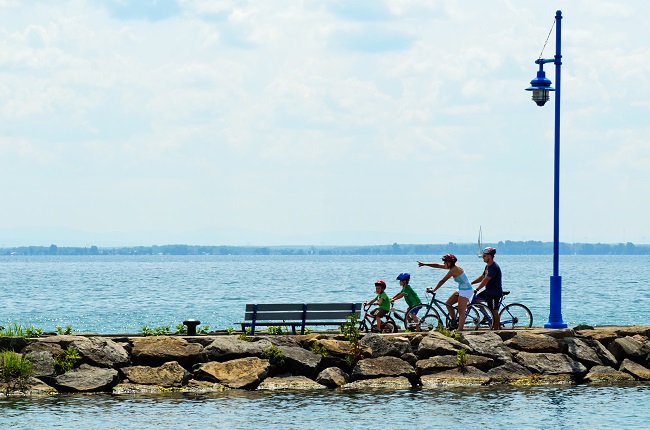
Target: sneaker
[{"x": 453, "y": 324}]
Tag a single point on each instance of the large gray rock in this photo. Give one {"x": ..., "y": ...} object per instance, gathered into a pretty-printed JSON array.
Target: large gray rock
[
  {"x": 333, "y": 377},
  {"x": 508, "y": 372},
  {"x": 635, "y": 369},
  {"x": 629, "y": 347},
  {"x": 86, "y": 378},
  {"x": 170, "y": 374},
  {"x": 289, "y": 382},
  {"x": 388, "y": 382},
  {"x": 42, "y": 355},
  {"x": 439, "y": 344},
  {"x": 380, "y": 346},
  {"x": 334, "y": 347},
  {"x": 466, "y": 376},
  {"x": 370, "y": 368},
  {"x": 299, "y": 361},
  {"x": 445, "y": 362},
  {"x": 12, "y": 343},
  {"x": 607, "y": 374},
  {"x": 226, "y": 348},
  {"x": 550, "y": 364},
  {"x": 589, "y": 352},
  {"x": 246, "y": 373},
  {"x": 158, "y": 350},
  {"x": 101, "y": 352},
  {"x": 488, "y": 344},
  {"x": 530, "y": 342}
]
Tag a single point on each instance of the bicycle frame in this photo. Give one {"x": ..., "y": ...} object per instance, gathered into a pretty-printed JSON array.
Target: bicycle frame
[
  {"x": 368, "y": 320},
  {"x": 505, "y": 311}
]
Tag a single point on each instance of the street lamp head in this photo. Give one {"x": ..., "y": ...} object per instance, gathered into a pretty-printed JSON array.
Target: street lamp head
[{"x": 540, "y": 86}]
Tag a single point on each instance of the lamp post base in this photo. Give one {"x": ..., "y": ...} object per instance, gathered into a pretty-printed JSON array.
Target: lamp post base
[{"x": 555, "y": 315}]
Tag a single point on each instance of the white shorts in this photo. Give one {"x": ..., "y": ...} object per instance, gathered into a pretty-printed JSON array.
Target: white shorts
[{"x": 466, "y": 293}]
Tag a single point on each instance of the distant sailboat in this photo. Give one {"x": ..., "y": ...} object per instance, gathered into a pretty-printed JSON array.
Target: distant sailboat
[{"x": 480, "y": 242}]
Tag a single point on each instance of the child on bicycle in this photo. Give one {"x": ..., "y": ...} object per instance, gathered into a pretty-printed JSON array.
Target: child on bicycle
[
  {"x": 460, "y": 296},
  {"x": 412, "y": 299},
  {"x": 384, "y": 304}
]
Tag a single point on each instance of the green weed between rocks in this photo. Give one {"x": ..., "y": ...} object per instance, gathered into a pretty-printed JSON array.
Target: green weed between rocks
[
  {"x": 158, "y": 331},
  {"x": 275, "y": 329},
  {"x": 63, "y": 331},
  {"x": 65, "y": 360},
  {"x": 461, "y": 357},
  {"x": 274, "y": 355},
  {"x": 15, "y": 371},
  {"x": 21, "y": 331},
  {"x": 245, "y": 336},
  {"x": 449, "y": 333},
  {"x": 350, "y": 330},
  {"x": 319, "y": 349}
]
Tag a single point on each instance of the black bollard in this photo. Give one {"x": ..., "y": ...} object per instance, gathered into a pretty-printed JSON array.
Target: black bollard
[{"x": 191, "y": 326}]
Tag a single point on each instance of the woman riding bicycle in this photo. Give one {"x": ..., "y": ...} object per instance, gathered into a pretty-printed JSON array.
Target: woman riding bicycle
[{"x": 464, "y": 292}]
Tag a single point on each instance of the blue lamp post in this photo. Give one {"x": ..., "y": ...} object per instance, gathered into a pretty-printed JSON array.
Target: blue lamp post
[{"x": 541, "y": 86}]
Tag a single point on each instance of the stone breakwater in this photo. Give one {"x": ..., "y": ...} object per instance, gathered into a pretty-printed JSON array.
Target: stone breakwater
[{"x": 141, "y": 365}]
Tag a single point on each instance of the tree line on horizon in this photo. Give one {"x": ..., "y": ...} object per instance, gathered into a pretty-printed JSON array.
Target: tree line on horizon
[{"x": 503, "y": 247}]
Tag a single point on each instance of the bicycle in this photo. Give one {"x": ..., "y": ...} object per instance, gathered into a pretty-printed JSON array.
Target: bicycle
[
  {"x": 368, "y": 322},
  {"x": 403, "y": 316},
  {"x": 429, "y": 315},
  {"x": 513, "y": 315}
]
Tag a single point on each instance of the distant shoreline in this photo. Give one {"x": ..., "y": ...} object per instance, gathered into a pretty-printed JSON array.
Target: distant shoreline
[{"x": 504, "y": 248}]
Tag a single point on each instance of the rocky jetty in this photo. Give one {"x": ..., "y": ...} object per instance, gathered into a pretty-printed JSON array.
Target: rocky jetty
[{"x": 208, "y": 363}]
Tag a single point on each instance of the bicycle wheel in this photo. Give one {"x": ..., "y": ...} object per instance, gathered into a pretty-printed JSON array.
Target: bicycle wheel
[
  {"x": 389, "y": 326},
  {"x": 428, "y": 319},
  {"x": 485, "y": 315},
  {"x": 408, "y": 322},
  {"x": 472, "y": 318},
  {"x": 516, "y": 315},
  {"x": 363, "y": 326}
]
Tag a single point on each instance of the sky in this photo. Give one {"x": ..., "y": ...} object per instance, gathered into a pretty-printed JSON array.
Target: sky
[{"x": 319, "y": 122}]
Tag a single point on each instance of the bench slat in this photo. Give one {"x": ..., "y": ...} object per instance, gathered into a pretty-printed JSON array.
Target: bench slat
[
  {"x": 322, "y": 315},
  {"x": 275, "y": 307},
  {"x": 333, "y": 306},
  {"x": 278, "y": 316}
]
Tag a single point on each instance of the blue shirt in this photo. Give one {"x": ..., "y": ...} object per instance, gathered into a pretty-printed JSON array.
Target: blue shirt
[{"x": 493, "y": 287}]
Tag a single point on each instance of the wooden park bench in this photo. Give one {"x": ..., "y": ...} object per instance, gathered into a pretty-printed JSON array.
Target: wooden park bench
[{"x": 297, "y": 315}]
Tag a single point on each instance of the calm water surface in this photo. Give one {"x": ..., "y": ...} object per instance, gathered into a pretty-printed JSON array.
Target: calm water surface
[
  {"x": 118, "y": 294},
  {"x": 579, "y": 407}
]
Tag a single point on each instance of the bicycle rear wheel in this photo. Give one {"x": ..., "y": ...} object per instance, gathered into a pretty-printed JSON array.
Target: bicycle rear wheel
[
  {"x": 389, "y": 326},
  {"x": 428, "y": 320},
  {"x": 516, "y": 315},
  {"x": 485, "y": 315},
  {"x": 472, "y": 318}
]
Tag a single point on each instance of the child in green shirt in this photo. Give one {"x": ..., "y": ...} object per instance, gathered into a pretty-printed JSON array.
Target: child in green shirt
[
  {"x": 412, "y": 299},
  {"x": 384, "y": 304}
]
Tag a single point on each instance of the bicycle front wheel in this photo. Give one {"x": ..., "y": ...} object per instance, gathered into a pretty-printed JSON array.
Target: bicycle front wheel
[
  {"x": 516, "y": 315},
  {"x": 428, "y": 320},
  {"x": 363, "y": 326}
]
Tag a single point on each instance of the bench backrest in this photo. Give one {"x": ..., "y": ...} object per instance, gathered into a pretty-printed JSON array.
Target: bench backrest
[{"x": 300, "y": 311}]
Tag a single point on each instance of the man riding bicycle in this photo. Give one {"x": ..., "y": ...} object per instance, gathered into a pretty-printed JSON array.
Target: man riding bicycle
[{"x": 491, "y": 281}]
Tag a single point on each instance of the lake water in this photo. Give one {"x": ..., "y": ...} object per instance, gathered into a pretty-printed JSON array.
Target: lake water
[{"x": 119, "y": 294}]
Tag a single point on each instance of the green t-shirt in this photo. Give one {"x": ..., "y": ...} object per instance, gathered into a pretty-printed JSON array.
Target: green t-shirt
[
  {"x": 385, "y": 304},
  {"x": 410, "y": 296}
]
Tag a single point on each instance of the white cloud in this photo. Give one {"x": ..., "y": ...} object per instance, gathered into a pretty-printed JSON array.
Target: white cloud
[{"x": 296, "y": 119}]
